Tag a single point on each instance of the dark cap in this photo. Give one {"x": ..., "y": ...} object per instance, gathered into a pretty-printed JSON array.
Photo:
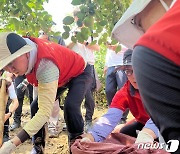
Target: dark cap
[
  {"x": 11, "y": 47},
  {"x": 127, "y": 57},
  {"x": 126, "y": 60}
]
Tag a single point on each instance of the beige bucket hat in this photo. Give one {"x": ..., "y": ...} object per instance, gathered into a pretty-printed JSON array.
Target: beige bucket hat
[
  {"x": 11, "y": 47},
  {"x": 125, "y": 31}
]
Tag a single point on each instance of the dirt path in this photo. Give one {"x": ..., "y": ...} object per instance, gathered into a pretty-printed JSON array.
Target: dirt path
[{"x": 53, "y": 145}]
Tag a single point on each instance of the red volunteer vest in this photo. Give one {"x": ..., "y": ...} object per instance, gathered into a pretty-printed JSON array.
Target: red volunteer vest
[
  {"x": 123, "y": 100},
  {"x": 70, "y": 64},
  {"x": 163, "y": 36}
]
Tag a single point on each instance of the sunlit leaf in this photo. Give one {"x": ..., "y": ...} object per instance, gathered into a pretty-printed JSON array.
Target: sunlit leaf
[
  {"x": 89, "y": 21},
  {"x": 79, "y": 37},
  {"x": 76, "y": 2},
  {"x": 118, "y": 48},
  {"x": 73, "y": 39},
  {"x": 113, "y": 42},
  {"x": 68, "y": 20},
  {"x": 65, "y": 35},
  {"x": 66, "y": 28},
  {"x": 93, "y": 42},
  {"x": 103, "y": 22}
]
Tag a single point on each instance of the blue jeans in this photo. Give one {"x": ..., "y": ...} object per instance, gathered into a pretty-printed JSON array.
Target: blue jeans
[{"x": 114, "y": 82}]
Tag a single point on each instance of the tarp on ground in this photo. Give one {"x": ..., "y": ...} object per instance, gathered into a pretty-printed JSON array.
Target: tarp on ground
[{"x": 116, "y": 143}]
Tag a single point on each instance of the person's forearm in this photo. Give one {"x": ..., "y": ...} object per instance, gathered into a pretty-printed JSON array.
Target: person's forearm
[
  {"x": 105, "y": 69},
  {"x": 21, "y": 137},
  {"x": 14, "y": 105},
  {"x": 106, "y": 124},
  {"x": 71, "y": 45},
  {"x": 148, "y": 133},
  {"x": 94, "y": 47},
  {"x": 152, "y": 129},
  {"x": 46, "y": 97}
]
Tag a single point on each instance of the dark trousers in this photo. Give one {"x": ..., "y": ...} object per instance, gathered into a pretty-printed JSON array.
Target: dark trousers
[
  {"x": 89, "y": 99},
  {"x": 159, "y": 84},
  {"x": 39, "y": 137},
  {"x": 77, "y": 88},
  {"x": 6, "y": 124},
  {"x": 131, "y": 129},
  {"x": 20, "y": 96}
]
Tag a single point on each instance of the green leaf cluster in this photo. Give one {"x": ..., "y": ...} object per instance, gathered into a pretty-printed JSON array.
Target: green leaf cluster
[
  {"x": 99, "y": 16},
  {"x": 24, "y": 16}
]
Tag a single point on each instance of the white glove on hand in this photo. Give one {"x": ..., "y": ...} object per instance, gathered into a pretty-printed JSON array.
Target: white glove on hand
[
  {"x": 7, "y": 148},
  {"x": 85, "y": 139},
  {"x": 144, "y": 137}
]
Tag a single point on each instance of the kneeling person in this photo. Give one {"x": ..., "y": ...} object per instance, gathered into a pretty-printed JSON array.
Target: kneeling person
[{"x": 127, "y": 97}]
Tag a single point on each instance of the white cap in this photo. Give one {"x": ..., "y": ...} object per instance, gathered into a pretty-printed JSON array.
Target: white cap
[{"x": 126, "y": 32}]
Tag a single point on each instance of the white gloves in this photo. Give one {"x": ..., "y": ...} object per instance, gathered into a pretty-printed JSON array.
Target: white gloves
[
  {"x": 144, "y": 137},
  {"x": 85, "y": 139},
  {"x": 7, "y": 148}
]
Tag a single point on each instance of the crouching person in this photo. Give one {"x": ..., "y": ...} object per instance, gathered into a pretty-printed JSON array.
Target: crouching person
[
  {"x": 127, "y": 97},
  {"x": 52, "y": 68}
]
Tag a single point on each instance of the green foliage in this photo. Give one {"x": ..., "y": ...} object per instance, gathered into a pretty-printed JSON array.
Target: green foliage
[
  {"x": 98, "y": 16},
  {"x": 77, "y": 2},
  {"x": 24, "y": 16},
  {"x": 68, "y": 20},
  {"x": 118, "y": 48},
  {"x": 100, "y": 96}
]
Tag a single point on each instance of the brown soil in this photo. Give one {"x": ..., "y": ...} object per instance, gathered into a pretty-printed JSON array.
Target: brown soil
[{"x": 53, "y": 145}]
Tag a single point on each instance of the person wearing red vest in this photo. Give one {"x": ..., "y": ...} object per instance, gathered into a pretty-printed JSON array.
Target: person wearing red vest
[
  {"x": 52, "y": 68},
  {"x": 156, "y": 59},
  {"x": 127, "y": 97}
]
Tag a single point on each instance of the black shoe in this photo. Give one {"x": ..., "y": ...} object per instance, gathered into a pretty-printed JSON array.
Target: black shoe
[
  {"x": 14, "y": 126},
  {"x": 38, "y": 147},
  {"x": 6, "y": 137}
]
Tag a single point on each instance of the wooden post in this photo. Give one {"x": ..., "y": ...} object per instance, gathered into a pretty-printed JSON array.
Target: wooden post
[{"x": 3, "y": 99}]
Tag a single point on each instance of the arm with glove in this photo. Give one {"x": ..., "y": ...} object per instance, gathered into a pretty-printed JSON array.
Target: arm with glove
[
  {"x": 104, "y": 126},
  {"x": 148, "y": 133}
]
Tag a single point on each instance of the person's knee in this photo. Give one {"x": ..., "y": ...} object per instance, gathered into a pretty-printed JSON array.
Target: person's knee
[
  {"x": 128, "y": 131},
  {"x": 71, "y": 106}
]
